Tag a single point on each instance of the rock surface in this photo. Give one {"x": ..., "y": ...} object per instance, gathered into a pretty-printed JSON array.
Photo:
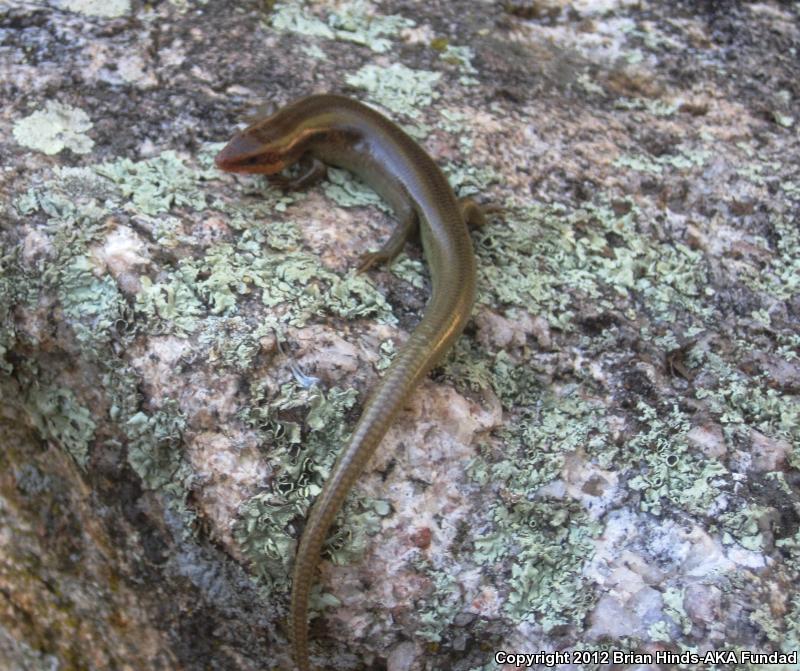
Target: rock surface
[{"x": 607, "y": 463}]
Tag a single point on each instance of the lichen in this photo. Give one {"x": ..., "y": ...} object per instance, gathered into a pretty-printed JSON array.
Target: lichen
[
  {"x": 10, "y": 294},
  {"x": 460, "y": 56},
  {"x": 570, "y": 252},
  {"x": 441, "y": 606},
  {"x": 684, "y": 159},
  {"x": 744, "y": 401},
  {"x": 68, "y": 215},
  {"x": 354, "y": 295},
  {"x": 170, "y": 306},
  {"x": 354, "y": 21},
  {"x": 554, "y": 257},
  {"x": 60, "y": 417},
  {"x": 780, "y": 276},
  {"x": 107, "y": 9},
  {"x": 468, "y": 179},
  {"x": 345, "y": 190},
  {"x": 397, "y": 87},
  {"x": 668, "y": 469},
  {"x": 410, "y": 270},
  {"x": 157, "y": 184},
  {"x": 92, "y": 305},
  {"x": 153, "y": 449},
  {"x": 547, "y": 541},
  {"x": 233, "y": 341},
  {"x": 673, "y": 607},
  {"x": 305, "y": 428},
  {"x": 54, "y": 129},
  {"x": 616, "y": 292}
]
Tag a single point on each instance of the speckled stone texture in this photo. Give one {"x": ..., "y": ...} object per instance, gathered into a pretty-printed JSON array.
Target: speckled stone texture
[{"x": 608, "y": 461}]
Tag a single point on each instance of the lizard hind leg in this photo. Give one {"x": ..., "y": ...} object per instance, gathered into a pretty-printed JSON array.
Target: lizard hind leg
[
  {"x": 406, "y": 227},
  {"x": 474, "y": 213}
]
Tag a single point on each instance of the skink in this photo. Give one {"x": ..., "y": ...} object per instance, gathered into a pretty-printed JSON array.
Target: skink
[{"x": 334, "y": 130}]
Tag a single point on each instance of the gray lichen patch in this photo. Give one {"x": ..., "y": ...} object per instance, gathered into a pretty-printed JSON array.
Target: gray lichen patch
[
  {"x": 59, "y": 417},
  {"x": 263, "y": 529},
  {"x": 54, "y": 129},
  {"x": 157, "y": 185},
  {"x": 397, "y": 87},
  {"x": 354, "y": 21},
  {"x": 106, "y": 9}
]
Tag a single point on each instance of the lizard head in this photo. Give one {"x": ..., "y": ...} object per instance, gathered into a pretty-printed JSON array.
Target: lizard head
[{"x": 266, "y": 146}]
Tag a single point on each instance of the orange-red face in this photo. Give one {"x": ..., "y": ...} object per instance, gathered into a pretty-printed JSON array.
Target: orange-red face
[
  {"x": 246, "y": 152},
  {"x": 267, "y": 146}
]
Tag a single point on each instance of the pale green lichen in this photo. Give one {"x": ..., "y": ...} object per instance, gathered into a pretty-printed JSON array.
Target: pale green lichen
[
  {"x": 669, "y": 470},
  {"x": 468, "y": 180},
  {"x": 757, "y": 171},
  {"x": 585, "y": 81},
  {"x": 265, "y": 263},
  {"x": 298, "y": 281},
  {"x": 780, "y": 275},
  {"x": 107, "y": 9},
  {"x": 546, "y": 541},
  {"x": 54, "y": 129},
  {"x": 388, "y": 351},
  {"x": 654, "y": 107},
  {"x": 454, "y": 122},
  {"x": 744, "y": 401},
  {"x": 551, "y": 255},
  {"x": 354, "y": 21},
  {"x": 356, "y": 296},
  {"x": 290, "y": 17},
  {"x": 158, "y": 184},
  {"x": 169, "y": 306},
  {"x": 469, "y": 367},
  {"x": 348, "y": 191},
  {"x": 410, "y": 270},
  {"x": 74, "y": 208},
  {"x": 397, "y": 87},
  {"x": 461, "y": 56},
  {"x": 673, "y": 607},
  {"x": 442, "y": 606},
  {"x": 153, "y": 450},
  {"x": 10, "y": 293},
  {"x": 60, "y": 417},
  {"x": 73, "y": 196},
  {"x": 357, "y": 22},
  {"x": 313, "y": 51},
  {"x": 360, "y": 519},
  {"x": 92, "y": 304},
  {"x": 685, "y": 159},
  {"x": 791, "y": 189},
  {"x": 303, "y": 459},
  {"x": 545, "y": 260},
  {"x": 221, "y": 275},
  {"x": 660, "y": 631},
  {"x": 743, "y": 526},
  {"x": 569, "y": 252},
  {"x": 552, "y": 543},
  {"x": 184, "y": 6},
  {"x": 233, "y": 341},
  {"x": 634, "y": 56},
  {"x": 283, "y": 236}
]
